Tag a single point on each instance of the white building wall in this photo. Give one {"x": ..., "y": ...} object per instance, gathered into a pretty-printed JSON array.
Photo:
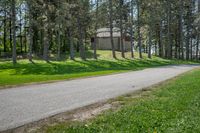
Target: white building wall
[{"x": 105, "y": 44}]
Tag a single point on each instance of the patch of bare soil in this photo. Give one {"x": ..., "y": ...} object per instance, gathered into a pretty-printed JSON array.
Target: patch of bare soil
[{"x": 88, "y": 114}]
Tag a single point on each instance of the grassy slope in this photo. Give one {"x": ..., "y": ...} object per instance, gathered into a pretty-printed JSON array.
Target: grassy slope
[
  {"x": 40, "y": 71},
  {"x": 173, "y": 107}
]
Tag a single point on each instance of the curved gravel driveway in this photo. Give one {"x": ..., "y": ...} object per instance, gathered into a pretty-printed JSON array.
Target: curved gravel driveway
[{"x": 22, "y": 105}]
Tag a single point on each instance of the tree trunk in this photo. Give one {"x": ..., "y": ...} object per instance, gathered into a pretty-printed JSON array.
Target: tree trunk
[
  {"x": 46, "y": 35},
  {"x": 192, "y": 8},
  {"x": 41, "y": 41},
  {"x": 131, "y": 27},
  {"x": 4, "y": 32},
  {"x": 191, "y": 49},
  {"x": 161, "y": 47},
  {"x": 10, "y": 26},
  {"x": 121, "y": 28},
  {"x": 111, "y": 28},
  {"x": 82, "y": 50},
  {"x": 65, "y": 42},
  {"x": 176, "y": 46},
  {"x": 85, "y": 39},
  {"x": 188, "y": 34},
  {"x": 25, "y": 32},
  {"x": 156, "y": 48},
  {"x": 59, "y": 44},
  {"x": 46, "y": 45},
  {"x": 25, "y": 40},
  {"x": 169, "y": 36},
  {"x": 198, "y": 36},
  {"x": 150, "y": 43},
  {"x": 14, "y": 53},
  {"x": 197, "y": 47},
  {"x": 30, "y": 35},
  {"x": 96, "y": 27},
  {"x": 181, "y": 28},
  {"x": 138, "y": 29},
  {"x": 30, "y": 44},
  {"x": 21, "y": 43},
  {"x": 58, "y": 34},
  {"x": 71, "y": 45}
]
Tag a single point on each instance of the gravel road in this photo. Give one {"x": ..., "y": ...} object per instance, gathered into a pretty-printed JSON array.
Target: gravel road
[{"x": 22, "y": 105}]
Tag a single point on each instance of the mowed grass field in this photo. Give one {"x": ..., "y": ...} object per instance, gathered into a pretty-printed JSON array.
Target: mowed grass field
[
  {"x": 172, "y": 107},
  {"x": 40, "y": 71}
]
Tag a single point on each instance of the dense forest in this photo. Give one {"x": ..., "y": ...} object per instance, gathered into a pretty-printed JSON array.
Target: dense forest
[{"x": 42, "y": 28}]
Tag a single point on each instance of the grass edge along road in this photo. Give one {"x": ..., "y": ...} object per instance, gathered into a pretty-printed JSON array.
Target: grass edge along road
[
  {"x": 40, "y": 72},
  {"x": 172, "y": 106}
]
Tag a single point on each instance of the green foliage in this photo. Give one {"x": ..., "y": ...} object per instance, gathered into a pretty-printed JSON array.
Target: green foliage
[{"x": 172, "y": 107}]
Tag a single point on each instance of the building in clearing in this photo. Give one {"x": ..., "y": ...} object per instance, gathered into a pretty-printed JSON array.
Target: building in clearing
[{"x": 103, "y": 41}]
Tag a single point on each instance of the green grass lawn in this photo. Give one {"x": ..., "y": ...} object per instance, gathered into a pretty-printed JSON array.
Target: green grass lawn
[
  {"x": 172, "y": 107},
  {"x": 40, "y": 71}
]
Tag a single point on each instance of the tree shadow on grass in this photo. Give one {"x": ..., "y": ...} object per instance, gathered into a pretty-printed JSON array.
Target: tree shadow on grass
[
  {"x": 79, "y": 66},
  {"x": 66, "y": 56}
]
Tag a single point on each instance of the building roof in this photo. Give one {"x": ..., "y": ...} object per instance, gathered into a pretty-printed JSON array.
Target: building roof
[{"x": 105, "y": 32}]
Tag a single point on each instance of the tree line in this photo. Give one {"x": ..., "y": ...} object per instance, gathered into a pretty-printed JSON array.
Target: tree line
[{"x": 40, "y": 28}]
